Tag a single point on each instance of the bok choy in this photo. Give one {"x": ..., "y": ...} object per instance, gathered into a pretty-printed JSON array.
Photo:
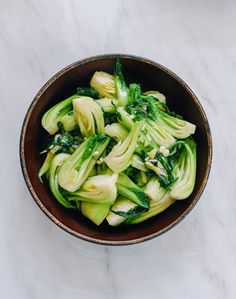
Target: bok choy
[
  {"x": 74, "y": 172},
  {"x": 117, "y": 154}
]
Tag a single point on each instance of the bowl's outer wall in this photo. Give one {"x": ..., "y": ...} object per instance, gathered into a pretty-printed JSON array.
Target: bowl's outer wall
[{"x": 64, "y": 84}]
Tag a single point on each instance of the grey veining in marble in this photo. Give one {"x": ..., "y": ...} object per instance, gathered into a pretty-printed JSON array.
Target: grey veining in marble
[{"x": 197, "y": 40}]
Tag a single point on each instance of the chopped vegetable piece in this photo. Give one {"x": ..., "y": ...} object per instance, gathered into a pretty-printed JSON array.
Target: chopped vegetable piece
[
  {"x": 96, "y": 212},
  {"x": 108, "y": 105},
  {"x": 157, "y": 95},
  {"x": 87, "y": 92},
  {"x": 77, "y": 168},
  {"x": 68, "y": 122},
  {"x": 121, "y": 155},
  {"x": 185, "y": 171},
  {"x": 156, "y": 208},
  {"x": 54, "y": 115},
  {"x": 122, "y": 90},
  {"x": 55, "y": 165},
  {"x": 97, "y": 189},
  {"x": 127, "y": 188},
  {"x": 89, "y": 116},
  {"x": 116, "y": 131},
  {"x": 104, "y": 84},
  {"x": 119, "y": 210},
  {"x": 46, "y": 164}
]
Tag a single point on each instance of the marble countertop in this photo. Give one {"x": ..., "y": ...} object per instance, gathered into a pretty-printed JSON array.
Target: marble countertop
[{"x": 197, "y": 40}]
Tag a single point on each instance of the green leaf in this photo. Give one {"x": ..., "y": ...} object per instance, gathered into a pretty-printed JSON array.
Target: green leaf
[
  {"x": 121, "y": 87},
  {"x": 129, "y": 215},
  {"x": 87, "y": 92}
]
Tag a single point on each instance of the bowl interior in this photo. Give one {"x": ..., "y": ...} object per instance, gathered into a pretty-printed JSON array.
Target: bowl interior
[{"x": 152, "y": 77}]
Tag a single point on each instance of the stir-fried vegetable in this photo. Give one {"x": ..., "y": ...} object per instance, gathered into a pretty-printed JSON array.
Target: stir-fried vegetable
[
  {"x": 127, "y": 188},
  {"x": 122, "y": 90},
  {"x": 155, "y": 209},
  {"x": 96, "y": 212},
  {"x": 89, "y": 116},
  {"x": 74, "y": 172},
  {"x": 104, "y": 84},
  {"x": 97, "y": 189},
  {"x": 157, "y": 95},
  {"x": 122, "y": 209},
  {"x": 46, "y": 164},
  {"x": 185, "y": 171},
  {"x": 87, "y": 92},
  {"x": 117, "y": 154},
  {"x": 108, "y": 105},
  {"x": 121, "y": 155},
  {"x": 116, "y": 131},
  {"x": 68, "y": 122},
  {"x": 57, "y": 161},
  {"x": 160, "y": 200},
  {"x": 54, "y": 115}
]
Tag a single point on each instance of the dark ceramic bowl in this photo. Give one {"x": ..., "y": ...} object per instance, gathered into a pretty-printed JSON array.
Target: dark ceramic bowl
[{"x": 152, "y": 76}]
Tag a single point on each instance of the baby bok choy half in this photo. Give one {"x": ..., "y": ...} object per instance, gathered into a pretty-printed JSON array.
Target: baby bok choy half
[
  {"x": 76, "y": 169},
  {"x": 117, "y": 154}
]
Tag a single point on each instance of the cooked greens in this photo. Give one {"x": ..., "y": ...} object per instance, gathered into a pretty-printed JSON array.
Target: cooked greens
[
  {"x": 54, "y": 115},
  {"x": 116, "y": 153},
  {"x": 89, "y": 116},
  {"x": 120, "y": 156},
  {"x": 96, "y": 212},
  {"x": 122, "y": 210},
  {"x": 104, "y": 84},
  {"x": 57, "y": 161},
  {"x": 122, "y": 91},
  {"x": 97, "y": 189},
  {"x": 76, "y": 169},
  {"x": 185, "y": 171},
  {"x": 126, "y": 187}
]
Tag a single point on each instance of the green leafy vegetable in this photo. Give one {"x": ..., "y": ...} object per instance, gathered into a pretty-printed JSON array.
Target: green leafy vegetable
[
  {"x": 97, "y": 189},
  {"x": 104, "y": 84},
  {"x": 154, "y": 190},
  {"x": 54, "y": 115},
  {"x": 163, "y": 168},
  {"x": 134, "y": 93},
  {"x": 127, "y": 188},
  {"x": 87, "y": 92},
  {"x": 96, "y": 212},
  {"x": 156, "y": 207},
  {"x": 157, "y": 95},
  {"x": 178, "y": 128},
  {"x": 108, "y": 105},
  {"x": 65, "y": 142},
  {"x": 55, "y": 165},
  {"x": 157, "y": 135},
  {"x": 121, "y": 155},
  {"x": 46, "y": 164},
  {"x": 137, "y": 162},
  {"x": 132, "y": 213},
  {"x": 185, "y": 171},
  {"x": 118, "y": 153},
  {"x": 116, "y": 131},
  {"x": 89, "y": 116},
  {"x": 124, "y": 118},
  {"x": 121, "y": 87},
  {"x": 77, "y": 168},
  {"x": 119, "y": 210},
  {"x": 68, "y": 122}
]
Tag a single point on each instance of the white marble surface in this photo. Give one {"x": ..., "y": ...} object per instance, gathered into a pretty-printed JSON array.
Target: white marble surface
[{"x": 196, "y": 259}]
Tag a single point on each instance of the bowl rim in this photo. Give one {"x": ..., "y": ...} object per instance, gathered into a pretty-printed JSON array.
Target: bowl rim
[{"x": 37, "y": 199}]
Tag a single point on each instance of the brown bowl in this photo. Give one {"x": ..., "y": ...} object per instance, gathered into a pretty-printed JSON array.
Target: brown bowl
[{"x": 151, "y": 76}]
